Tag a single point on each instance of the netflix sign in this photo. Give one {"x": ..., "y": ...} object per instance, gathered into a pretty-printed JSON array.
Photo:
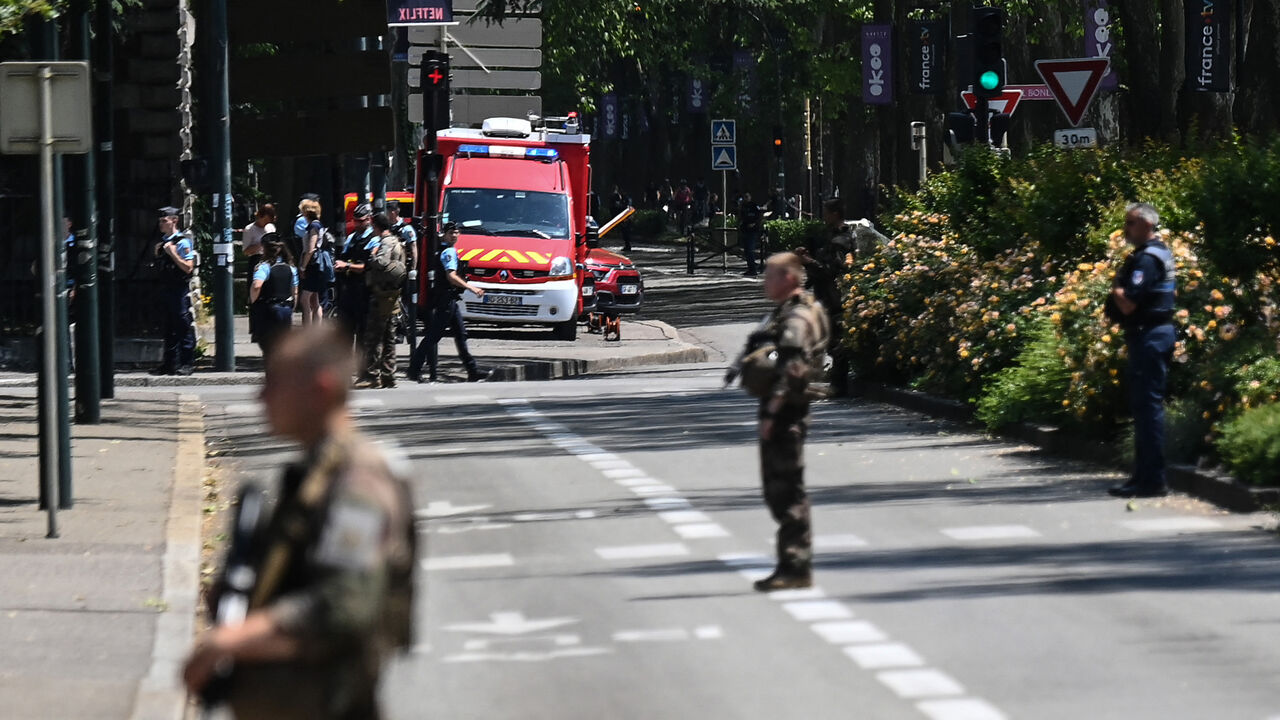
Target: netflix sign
[{"x": 419, "y": 12}]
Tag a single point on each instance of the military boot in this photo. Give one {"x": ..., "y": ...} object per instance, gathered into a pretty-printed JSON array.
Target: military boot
[{"x": 781, "y": 580}]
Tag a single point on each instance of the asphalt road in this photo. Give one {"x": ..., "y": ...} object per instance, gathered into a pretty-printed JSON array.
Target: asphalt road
[{"x": 589, "y": 546}]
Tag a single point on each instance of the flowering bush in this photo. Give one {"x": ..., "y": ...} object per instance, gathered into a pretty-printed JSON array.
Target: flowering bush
[{"x": 1011, "y": 316}]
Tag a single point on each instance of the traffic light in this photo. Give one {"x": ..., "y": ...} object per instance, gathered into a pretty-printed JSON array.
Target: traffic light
[
  {"x": 961, "y": 130},
  {"x": 435, "y": 90},
  {"x": 999, "y": 128},
  {"x": 777, "y": 141},
  {"x": 989, "y": 68}
]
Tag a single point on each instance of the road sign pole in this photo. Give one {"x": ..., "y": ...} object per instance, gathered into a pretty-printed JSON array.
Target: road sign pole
[
  {"x": 88, "y": 387},
  {"x": 724, "y": 217},
  {"x": 982, "y": 114},
  {"x": 49, "y": 315},
  {"x": 104, "y": 56},
  {"x": 224, "y": 256}
]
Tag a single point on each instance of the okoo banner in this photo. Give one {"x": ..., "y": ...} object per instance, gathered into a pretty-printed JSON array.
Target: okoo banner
[
  {"x": 1098, "y": 40},
  {"x": 1209, "y": 45},
  {"x": 877, "y": 64},
  {"x": 419, "y": 12},
  {"x": 925, "y": 41}
]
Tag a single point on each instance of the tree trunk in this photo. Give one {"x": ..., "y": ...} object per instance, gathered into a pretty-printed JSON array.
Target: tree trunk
[{"x": 1141, "y": 51}]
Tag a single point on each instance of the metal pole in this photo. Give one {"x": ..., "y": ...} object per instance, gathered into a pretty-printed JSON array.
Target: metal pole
[
  {"x": 724, "y": 218},
  {"x": 103, "y": 128},
  {"x": 88, "y": 408},
  {"x": 982, "y": 114},
  {"x": 49, "y": 313},
  {"x": 223, "y": 288},
  {"x": 808, "y": 148}
]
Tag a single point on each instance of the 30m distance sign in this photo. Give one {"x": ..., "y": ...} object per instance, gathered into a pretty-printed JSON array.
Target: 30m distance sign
[{"x": 1076, "y": 138}]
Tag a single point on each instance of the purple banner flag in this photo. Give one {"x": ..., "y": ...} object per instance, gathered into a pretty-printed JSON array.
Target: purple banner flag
[
  {"x": 1099, "y": 41},
  {"x": 877, "y": 64},
  {"x": 609, "y": 117},
  {"x": 699, "y": 96}
]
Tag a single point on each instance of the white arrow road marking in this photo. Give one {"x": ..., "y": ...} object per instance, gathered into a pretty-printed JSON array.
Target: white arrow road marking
[
  {"x": 511, "y": 623},
  {"x": 444, "y": 508},
  {"x": 527, "y": 656}
]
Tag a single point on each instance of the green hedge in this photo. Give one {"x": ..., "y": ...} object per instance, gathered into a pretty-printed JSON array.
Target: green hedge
[
  {"x": 791, "y": 234},
  {"x": 648, "y": 223},
  {"x": 992, "y": 285}
]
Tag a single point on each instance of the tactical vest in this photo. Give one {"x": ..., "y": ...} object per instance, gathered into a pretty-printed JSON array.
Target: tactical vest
[
  {"x": 760, "y": 363},
  {"x": 1157, "y": 306},
  {"x": 278, "y": 287},
  {"x": 385, "y": 269}
]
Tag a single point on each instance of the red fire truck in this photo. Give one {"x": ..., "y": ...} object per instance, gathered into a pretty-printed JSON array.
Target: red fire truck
[{"x": 519, "y": 195}]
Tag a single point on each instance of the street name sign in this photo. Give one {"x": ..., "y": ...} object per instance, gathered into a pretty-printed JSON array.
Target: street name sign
[
  {"x": 724, "y": 157},
  {"x": 724, "y": 132},
  {"x": 1074, "y": 83},
  {"x": 1076, "y": 138},
  {"x": 1032, "y": 92},
  {"x": 1006, "y": 102}
]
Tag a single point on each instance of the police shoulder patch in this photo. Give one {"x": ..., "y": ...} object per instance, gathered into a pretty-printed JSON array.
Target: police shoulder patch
[
  {"x": 352, "y": 536},
  {"x": 1136, "y": 277}
]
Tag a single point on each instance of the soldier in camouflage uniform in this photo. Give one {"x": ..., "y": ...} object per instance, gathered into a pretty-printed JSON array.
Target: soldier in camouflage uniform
[
  {"x": 334, "y": 590},
  {"x": 826, "y": 262},
  {"x": 798, "y": 329},
  {"x": 385, "y": 272}
]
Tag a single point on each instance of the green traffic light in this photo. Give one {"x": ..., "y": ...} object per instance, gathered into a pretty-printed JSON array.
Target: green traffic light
[{"x": 990, "y": 80}]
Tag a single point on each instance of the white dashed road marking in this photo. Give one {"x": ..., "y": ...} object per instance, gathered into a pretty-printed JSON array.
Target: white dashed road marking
[
  {"x": 881, "y": 656},
  {"x": 810, "y": 610},
  {"x": 849, "y": 631},
  {"x": 960, "y": 709},
  {"x": 837, "y": 542},
  {"x": 912, "y": 684},
  {"x": 677, "y": 517}
]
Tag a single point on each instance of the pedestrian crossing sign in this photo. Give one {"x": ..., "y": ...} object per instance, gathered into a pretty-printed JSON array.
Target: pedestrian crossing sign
[
  {"x": 724, "y": 157},
  {"x": 724, "y": 132}
]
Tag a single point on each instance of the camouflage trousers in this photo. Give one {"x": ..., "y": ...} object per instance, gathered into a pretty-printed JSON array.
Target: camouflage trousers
[
  {"x": 782, "y": 470},
  {"x": 378, "y": 343}
]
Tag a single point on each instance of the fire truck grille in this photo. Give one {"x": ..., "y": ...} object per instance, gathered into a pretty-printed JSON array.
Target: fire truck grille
[{"x": 502, "y": 310}]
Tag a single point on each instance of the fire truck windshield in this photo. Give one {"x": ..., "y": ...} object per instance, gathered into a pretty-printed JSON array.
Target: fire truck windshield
[{"x": 508, "y": 212}]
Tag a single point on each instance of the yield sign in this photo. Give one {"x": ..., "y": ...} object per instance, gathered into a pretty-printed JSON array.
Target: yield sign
[
  {"x": 1006, "y": 102},
  {"x": 1074, "y": 83}
]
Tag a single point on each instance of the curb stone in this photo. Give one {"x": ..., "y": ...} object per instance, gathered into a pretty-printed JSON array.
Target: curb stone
[
  {"x": 160, "y": 695},
  {"x": 1215, "y": 487}
]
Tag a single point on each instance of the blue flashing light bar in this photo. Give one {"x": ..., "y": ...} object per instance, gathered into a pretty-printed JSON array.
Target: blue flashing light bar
[{"x": 508, "y": 151}]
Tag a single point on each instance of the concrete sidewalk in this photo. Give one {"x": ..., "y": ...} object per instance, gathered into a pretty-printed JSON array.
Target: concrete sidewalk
[{"x": 95, "y": 622}]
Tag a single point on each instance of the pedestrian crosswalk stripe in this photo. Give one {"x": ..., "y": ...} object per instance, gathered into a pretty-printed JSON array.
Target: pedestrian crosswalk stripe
[
  {"x": 676, "y": 517},
  {"x": 701, "y": 531},
  {"x": 990, "y": 532},
  {"x": 640, "y": 552},
  {"x": 467, "y": 562}
]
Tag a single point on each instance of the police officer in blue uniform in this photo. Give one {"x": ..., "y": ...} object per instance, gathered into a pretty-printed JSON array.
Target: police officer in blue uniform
[
  {"x": 176, "y": 261},
  {"x": 447, "y": 286},
  {"x": 402, "y": 227},
  {"x": 353, "y": 295},
  {"x": 1142, "y": 301}
]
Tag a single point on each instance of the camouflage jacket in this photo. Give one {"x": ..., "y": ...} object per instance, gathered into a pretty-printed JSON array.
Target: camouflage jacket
[
  {"x": 801, "y": 331},
  {"x": 342, "y": 543}
]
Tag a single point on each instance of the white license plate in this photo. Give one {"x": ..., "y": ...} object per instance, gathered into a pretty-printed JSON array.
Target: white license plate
[
  {"x": 629, "y": 289},
  {"x": 491, "y": 299}
]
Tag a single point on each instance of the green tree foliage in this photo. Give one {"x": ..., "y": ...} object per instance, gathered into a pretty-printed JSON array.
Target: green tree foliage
[{"x": 13, "y": 13}]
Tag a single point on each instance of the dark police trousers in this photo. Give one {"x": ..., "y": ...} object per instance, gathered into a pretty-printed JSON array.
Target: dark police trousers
[
  {"x": 446, "y": 314},
  {"x": 1150, "y": 351},
  {"x": 179, "y": 326},
  {"x": 782, "y": 470}
]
